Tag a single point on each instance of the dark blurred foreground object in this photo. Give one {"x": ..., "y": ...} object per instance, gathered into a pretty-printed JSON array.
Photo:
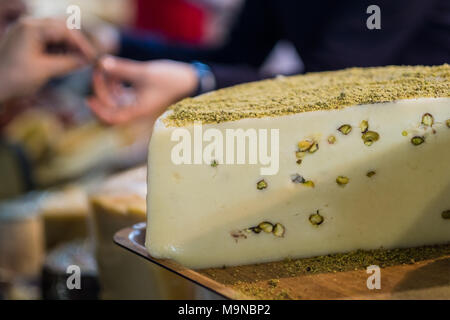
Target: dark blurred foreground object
[{"x": 55, "y": 272}]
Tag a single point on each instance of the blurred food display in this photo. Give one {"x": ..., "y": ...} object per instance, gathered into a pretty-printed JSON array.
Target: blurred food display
[
  {"x": 54, "y": 153},
  {"x": 77, "y": 253},
  {"x": 65, "y": 215},
  {"x": 22, "y": 247}
]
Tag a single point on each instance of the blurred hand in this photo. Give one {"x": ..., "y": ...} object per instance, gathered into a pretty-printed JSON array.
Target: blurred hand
[
  {"x": 104, "y": 36},
  {"x": 10, "y": 12},
  {"x": 35, "y": 50},
  {"x": 126, "y": 90}
]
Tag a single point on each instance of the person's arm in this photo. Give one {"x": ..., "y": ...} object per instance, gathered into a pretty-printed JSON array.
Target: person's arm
[{"x": 152, "y": 87}]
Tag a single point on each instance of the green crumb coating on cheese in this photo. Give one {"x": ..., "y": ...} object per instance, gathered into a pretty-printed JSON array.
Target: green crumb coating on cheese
[
  {"x": 312, "y": 92},
  {"x": 258, "y": 280}
]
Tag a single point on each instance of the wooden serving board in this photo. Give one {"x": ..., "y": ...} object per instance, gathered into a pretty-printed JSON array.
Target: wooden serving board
[{"x": 428, "y": 278}]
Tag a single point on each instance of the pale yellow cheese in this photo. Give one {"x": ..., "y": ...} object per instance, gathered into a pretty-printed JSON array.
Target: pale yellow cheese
[{"x": 396, "y": 196}]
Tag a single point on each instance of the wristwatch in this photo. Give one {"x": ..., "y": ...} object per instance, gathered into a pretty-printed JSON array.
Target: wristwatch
[{"x": 206, "y": 79}]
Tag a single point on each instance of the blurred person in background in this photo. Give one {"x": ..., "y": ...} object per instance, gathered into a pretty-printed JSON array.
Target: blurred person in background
[
  {"x": 32, "y": 53},
  {"x": 187, "y": 22},
  {"x": 327, "y": 34}
]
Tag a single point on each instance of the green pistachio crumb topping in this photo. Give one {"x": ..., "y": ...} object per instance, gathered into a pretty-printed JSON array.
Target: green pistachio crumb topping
[
  {"x": 273, "y": 282},
  {"x": 314, "y": 148},
  {"x": 345, "y": 129},
  {"x": 280, "y": 271},
  {"x": 342, "y": 181},
  {"x": 261, "y": 184},
  {"x": 300, "y": 154},
  {"x": 316, "y": 219},
  {"x": 417, "y": 140},
  {"x": 278, "y": 230},
  {"x": 370, "y": 137},
  {"x": 427, "y": 120},
  {"x": 312, "y": 92},
  {"x": 331, "y": 139},
  {"x": 266, "y": 226},
  {"x": 370, "y": 174},
  {"x": 254, "y": 229},
  {"x": 305, "y": 145},
  {"x": 309, "y": 183},
  {"x": 364, "y": 126}
]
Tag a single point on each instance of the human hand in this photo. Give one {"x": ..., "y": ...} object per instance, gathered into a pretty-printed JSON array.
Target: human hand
[
  {"x": 153, "y": 86},
  {"x": 35, "y": 50},
  {"x": 105, "y": 37},
  {"x": 10, "y": 12}
]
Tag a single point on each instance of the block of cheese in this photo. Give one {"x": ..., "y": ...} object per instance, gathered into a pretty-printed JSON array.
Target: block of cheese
[
  {"x": 65, "y": 213},
  {"x": 323, "y": 163},
  {"x": 22, "y": 248},
  {"x": 117, "y": 204}
]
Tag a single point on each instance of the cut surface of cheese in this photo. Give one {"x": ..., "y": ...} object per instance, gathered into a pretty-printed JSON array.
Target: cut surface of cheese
[{"x": 368, "y": 169}]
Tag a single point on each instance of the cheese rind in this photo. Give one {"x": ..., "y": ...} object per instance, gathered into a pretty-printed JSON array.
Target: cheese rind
[{"x": 199, "y": 215}]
